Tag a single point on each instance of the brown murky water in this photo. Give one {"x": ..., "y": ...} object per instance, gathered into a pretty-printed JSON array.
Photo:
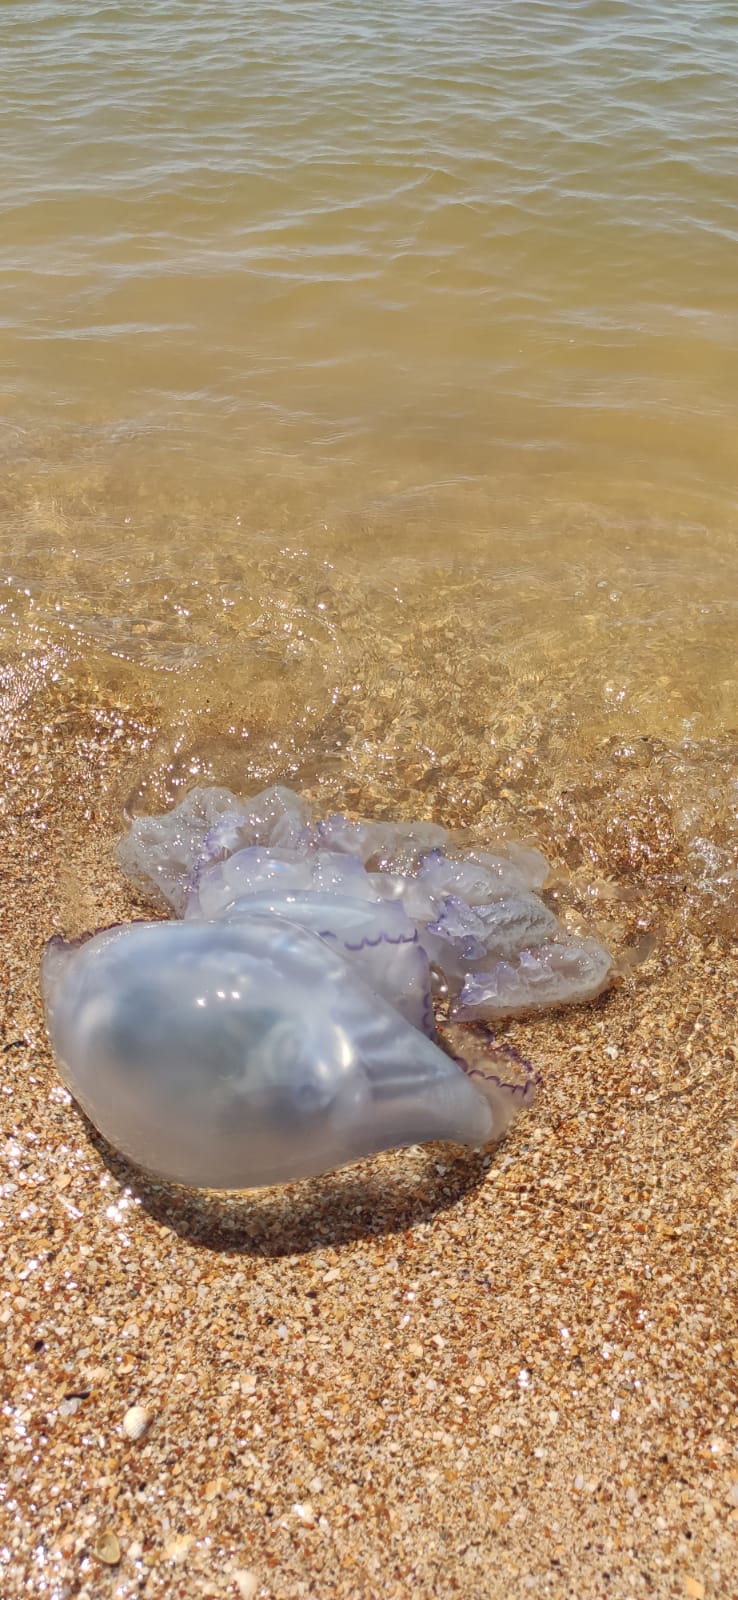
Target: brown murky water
[{"x": 368, "y": 382}]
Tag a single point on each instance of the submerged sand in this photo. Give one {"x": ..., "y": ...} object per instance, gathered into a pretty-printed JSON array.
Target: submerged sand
[{"x": 436, "y": 1373}]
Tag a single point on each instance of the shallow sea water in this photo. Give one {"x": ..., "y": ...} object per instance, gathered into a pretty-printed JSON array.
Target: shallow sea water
[{"x": 368, "y": 382}]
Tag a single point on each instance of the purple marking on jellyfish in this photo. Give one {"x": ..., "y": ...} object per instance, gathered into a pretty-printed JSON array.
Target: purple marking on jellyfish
[
  {"x": 513, "y": 1054},
  {"x": 532, "y": 1081},
  {"x": 502, "y": 1083},
  {"x": 382, "y": 938}
]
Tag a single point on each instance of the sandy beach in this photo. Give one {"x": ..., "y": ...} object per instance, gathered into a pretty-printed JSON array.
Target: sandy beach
[{"x": 435, "y": 1373}]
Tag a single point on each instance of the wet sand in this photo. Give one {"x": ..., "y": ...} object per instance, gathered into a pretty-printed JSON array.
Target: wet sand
[{"x": 436, "y": 1373}]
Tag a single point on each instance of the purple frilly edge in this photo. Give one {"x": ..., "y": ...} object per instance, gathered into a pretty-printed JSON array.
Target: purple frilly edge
[{"x": 525, "y": 1090}]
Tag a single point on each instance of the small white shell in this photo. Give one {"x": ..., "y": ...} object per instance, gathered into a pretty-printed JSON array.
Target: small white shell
[{"x": 136, "y": 1422}]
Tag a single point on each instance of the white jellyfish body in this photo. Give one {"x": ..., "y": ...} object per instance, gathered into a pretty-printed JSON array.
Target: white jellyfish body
[
  {"x": 235, "y": 1054},
  {"x": 286, "y": 1025}
]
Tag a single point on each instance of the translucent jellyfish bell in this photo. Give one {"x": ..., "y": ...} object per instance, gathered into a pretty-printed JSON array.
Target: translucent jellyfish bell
[{"x": 235, "y": 1054}]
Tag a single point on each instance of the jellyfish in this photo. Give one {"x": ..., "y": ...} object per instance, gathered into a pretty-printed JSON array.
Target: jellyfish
[
  {"x": 281, "y": 1022},
  {"x": 235, "y": 1054}
]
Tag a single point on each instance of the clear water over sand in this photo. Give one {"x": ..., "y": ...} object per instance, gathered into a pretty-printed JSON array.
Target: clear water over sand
[{"x": 368, "y": 381}]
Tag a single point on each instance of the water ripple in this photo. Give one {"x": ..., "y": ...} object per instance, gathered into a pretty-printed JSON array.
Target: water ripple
[{"x": 266, "y": 269}]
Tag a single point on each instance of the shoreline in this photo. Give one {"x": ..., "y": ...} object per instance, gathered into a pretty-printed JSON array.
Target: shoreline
[{"x": 447, "y": 1374}]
